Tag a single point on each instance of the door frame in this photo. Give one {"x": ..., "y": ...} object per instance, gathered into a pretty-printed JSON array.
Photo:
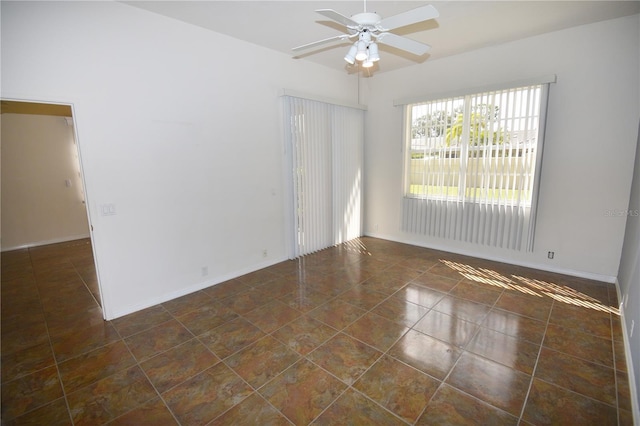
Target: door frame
[{"x": 84, "y": 183}]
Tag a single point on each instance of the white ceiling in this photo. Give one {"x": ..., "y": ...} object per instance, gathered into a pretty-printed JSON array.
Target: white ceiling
[{"x": 461, "y": 26}]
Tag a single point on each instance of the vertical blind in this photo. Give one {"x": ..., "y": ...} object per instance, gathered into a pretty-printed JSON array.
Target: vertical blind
[
  {"x": 324, "y": 154},
  {"x": 473, "y": 165}
]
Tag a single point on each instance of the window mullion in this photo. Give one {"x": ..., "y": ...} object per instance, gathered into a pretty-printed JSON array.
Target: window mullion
[{"x": 464, "y": 148}]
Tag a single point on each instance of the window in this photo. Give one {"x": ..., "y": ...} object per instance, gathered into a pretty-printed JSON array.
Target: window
[
  {"x": 479, "y": 148},
  {"x": 472, "y": 165}
]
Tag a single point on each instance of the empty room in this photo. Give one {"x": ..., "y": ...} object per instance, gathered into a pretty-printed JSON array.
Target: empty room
[{"x": 320, "y": 212}]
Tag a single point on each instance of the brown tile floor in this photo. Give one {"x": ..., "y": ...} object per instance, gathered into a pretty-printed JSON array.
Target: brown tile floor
[{"x": 370, "y": 332}]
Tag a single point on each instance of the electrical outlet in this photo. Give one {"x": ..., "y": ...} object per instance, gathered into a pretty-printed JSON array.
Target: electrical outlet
[
  {"x": 265, "y": 253},
  {"x": 205, "y": 271},
  {"x": 625, "y": 300},
  {"x": 551, "y": 254}
]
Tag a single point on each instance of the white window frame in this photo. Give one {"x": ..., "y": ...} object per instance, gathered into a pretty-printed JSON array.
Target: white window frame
[
  {"x": 454, "y": 169},
  {"x": 505, "y": 222}
]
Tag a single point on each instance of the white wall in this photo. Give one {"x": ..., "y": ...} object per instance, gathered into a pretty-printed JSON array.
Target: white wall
[
  {"x": 42, "y": 197},
  {"x": 176, "y": 129},
  {"x": 629, "y": 280},
  {"x": 588, "y": 155}
]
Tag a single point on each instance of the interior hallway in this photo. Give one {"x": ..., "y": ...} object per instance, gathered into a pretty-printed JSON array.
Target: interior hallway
[{"x": 369, "y": 332}]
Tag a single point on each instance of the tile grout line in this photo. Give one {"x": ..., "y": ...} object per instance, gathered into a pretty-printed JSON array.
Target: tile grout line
[
  {"x": 462, "y": 351},
  {"x": 75, "y": 269},
  {"x": 159, "y": 395},
  {"x": 429, "y": 309},
  {"x": 193, "y": 337},
  {"x": 138, "y": 363},
  {"x": 383, "y": 353},
  {"x": 255, "y": 390},
  {"x": 479, "y": 329},
  {"x": 302, "y": 357},
  {"x": 53, "y": 353},
  {"x": 337, "y": 332},
  {"x": 535, "y": 366}
]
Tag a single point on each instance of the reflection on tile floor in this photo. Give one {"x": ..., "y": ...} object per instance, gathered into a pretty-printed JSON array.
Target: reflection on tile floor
[{"x": 369, "y": 332}]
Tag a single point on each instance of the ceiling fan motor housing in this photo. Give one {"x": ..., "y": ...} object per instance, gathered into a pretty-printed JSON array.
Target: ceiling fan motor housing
[{"x": 366, "y": 20}]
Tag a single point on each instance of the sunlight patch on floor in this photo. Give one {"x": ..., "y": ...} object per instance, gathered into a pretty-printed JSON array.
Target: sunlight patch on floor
[{"x": 530, "y": 286}]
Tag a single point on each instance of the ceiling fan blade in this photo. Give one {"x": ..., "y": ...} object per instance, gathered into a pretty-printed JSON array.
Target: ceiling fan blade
[
  {"x": 403, "y": 43},
  {"x": 333, "y": 15},
  {"x": 320, "y": 42},
  {"x": 423, "y": 13}
]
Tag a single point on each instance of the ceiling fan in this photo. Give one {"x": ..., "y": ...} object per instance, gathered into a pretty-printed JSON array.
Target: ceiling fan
[{"x": 368, "y": 29}]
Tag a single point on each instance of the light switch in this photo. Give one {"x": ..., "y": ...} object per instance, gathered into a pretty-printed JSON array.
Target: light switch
[
  {"x": 108, "y": 209},
  {"x": 67, "y": 183}
]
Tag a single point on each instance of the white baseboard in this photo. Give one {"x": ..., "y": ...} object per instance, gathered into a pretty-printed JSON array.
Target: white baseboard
[
  {"x": 542, "y": 267},
  {"x": 111, "y": 315},
  {"x": 46, "y": 242}
]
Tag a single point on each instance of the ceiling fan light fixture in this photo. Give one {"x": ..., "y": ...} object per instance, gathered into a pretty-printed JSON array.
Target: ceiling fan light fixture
[
  {"x": 368, "y": 63},
  {"x": 374, "y": 56},
  {"x": 350, "y": 57},
  {"x": 362, "y": 51}
]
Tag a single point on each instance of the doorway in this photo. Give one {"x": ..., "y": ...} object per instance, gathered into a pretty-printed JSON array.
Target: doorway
[{"x": 43, "y": 195}]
